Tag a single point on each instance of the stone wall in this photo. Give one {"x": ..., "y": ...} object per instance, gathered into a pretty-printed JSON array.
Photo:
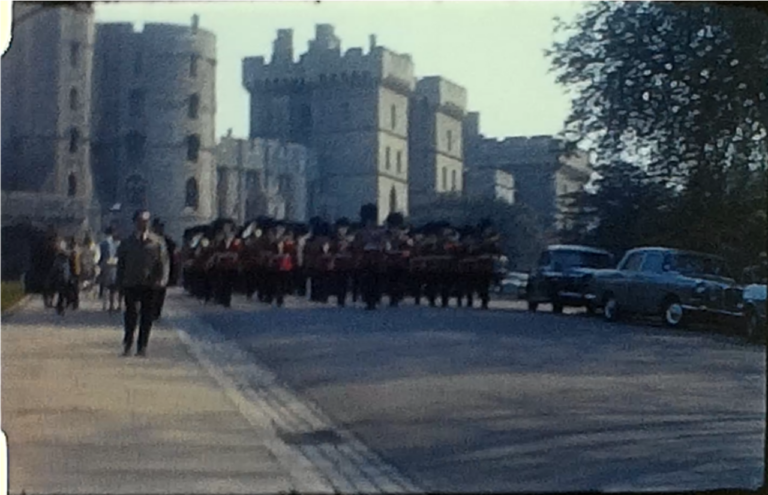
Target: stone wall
[{"x": 156, "y": 104}]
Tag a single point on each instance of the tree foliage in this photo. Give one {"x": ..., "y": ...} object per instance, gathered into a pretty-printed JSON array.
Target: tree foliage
[
  {"x": 521, "y": 235},
  {"x": 680, "y": 91}
]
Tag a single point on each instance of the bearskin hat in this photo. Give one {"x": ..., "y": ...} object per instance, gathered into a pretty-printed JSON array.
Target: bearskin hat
[
  {"x": 395, "y": 220},
  {"x": 369, "y": 213}
]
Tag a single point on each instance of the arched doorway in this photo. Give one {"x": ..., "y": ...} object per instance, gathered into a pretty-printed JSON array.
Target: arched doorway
[
  {"x": 192, "y": 195},
  {"x": 392, "y": 200}
]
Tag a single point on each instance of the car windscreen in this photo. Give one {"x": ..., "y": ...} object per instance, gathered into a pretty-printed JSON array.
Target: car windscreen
[
  {"x": 693, "y": 264},
  {"x": 581, "y": 259}
]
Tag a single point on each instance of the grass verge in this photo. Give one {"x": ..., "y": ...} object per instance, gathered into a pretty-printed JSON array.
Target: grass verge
[{"x": 11, "y": 293}]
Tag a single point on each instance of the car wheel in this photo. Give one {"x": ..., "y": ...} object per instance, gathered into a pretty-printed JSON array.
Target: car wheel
[
  {"x": 557, "y": 307},
  {"x": 673, "y": 313},
  {"x": 591, "y": 309},
  {"x": 532, "y": 306},
  {"x": 751, "y": 325},
  {"x": 611, "y": 308}
]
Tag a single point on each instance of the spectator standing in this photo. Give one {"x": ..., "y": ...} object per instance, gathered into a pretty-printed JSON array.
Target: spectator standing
[
  {"x": 142, "y": 270},
  {"x": 108, "y": 264}
]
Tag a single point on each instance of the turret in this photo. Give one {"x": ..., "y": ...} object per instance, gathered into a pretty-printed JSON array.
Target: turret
[{"x": 282, "y": 47}]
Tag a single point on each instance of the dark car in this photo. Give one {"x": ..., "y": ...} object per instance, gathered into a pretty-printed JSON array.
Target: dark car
[
  {"x": 563, "y": 274},
  {"x": 670, "y": 283}
]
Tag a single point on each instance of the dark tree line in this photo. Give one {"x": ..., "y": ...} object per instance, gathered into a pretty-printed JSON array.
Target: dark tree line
[{"x": 672, "y": 99}]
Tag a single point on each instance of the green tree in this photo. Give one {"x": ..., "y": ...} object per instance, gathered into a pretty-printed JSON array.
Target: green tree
[{"x": 682, "y": 90}]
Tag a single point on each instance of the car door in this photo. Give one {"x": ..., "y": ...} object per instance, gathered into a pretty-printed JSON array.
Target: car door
[
  {"x": 650, "y": 283},
  {"x": 629, "y": 281},
  {"x": 537, "y": 290}
]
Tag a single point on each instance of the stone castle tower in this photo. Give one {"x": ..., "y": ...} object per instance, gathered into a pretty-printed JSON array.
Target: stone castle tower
[
  {"x": 351, "y": 109},
  {"x": 46, "y": 103},
  {"x": 153, "y": 121}
]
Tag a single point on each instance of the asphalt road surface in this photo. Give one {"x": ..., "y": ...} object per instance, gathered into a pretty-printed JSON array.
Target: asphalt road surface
[{"x": 506, "y": 400}]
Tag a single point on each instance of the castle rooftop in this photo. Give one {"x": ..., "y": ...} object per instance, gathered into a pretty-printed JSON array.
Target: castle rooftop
[{"x": 325, "y": 62}]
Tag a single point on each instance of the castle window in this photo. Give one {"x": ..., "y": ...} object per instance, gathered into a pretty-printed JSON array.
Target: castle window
[
  {"x": 73, "y": 102},
  {"x": 74, "y": 54},
  {"x": 450, "y": 140},
  {"x": 194, "y": 106},
  {"x": 74, "y": 140},
  {"x": 392, "y": 200},
  {"x": 135, "y": 146},
  {"x": 453, "y": 180},
  {"x": 135, "y": 190},
  {"x": 393, "y": 116},
  {"x": 191, "y": 196},
  {"x": 193, "y": 147},
  {"x": 136, "y": 102},
  {"x": 71, "y": 185},
  {"x": 445, "y": 179},
  {"x": 388, "y": 152},
  {"x": 193, "y": 65},
  {"x": 399, "y": 162}
]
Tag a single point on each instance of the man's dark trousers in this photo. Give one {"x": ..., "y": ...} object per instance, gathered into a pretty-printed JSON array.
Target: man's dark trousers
[
  {"x": 146, "y": 297},
  {"x": 159, "y": 302}
]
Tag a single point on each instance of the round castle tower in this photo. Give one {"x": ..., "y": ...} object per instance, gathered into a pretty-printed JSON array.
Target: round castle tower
[
  {"x": 157, "y": 133},
  {"x": 46, "y": 101}
]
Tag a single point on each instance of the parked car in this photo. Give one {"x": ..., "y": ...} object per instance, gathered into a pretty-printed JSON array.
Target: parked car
[
  {"x": 513, "y": 284},
  {"x": 669, "y": 283},
  {"x": 563, "y": 274}
]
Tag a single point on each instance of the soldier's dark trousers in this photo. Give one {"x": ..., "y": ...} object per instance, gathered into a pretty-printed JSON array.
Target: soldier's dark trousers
[
  {"x": 144, "y": 297},
  {"x": 299, "y": 285},
  {"x": 250, "y": 283},
  {"x": 320, "y": 287},
  {"x": 356, "y": 277},
  {"x": 370, "y": 288},
  {"x": 159, "y": 302},
  {"x": 396, "y": 283},
  {"x": 225, "y": 283},
  {"x": 417, "y": 287},
  {"x": 341, "y": 286}
]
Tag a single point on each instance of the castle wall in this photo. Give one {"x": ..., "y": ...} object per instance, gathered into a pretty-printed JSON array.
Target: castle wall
[
  {"x": 146, "y": 83},
  {"x": 340, "y": 105},
  {"x": 50, "y": 57}
]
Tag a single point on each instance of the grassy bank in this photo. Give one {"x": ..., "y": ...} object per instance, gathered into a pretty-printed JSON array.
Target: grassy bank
[{"x": 11, "y": 293}]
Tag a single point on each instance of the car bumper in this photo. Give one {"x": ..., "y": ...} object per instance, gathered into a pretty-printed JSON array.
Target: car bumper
[{"x": 704, "y": 310}]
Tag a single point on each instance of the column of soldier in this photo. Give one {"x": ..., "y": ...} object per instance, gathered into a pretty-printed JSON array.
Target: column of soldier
[{"x": 272, "y": 259}]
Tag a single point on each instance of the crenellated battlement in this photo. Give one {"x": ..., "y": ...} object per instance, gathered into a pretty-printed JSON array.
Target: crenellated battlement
[
  {"x": 442, "y": 93},
  {"x": 325, "y": 63}
]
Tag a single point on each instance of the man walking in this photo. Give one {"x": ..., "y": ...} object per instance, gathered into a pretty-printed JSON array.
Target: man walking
[{"x": 142, "y": 269}]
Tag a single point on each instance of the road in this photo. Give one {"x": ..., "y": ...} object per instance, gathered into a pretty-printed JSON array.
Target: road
[{"x": 505, "y": 400}]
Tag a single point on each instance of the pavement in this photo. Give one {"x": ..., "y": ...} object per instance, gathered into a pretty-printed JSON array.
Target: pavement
[{"x": 80, "y": 418}]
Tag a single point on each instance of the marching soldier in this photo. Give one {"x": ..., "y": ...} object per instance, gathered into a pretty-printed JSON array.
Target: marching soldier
[
  {"x": 319, "y": 259},
  {"x": 343, "y": 260},
  {"x": 398, "y": 251},
  {"x": 224, "y": 264},
  {"x": 489, "y": 252},
  {"x": 299, "y": 282},
  {"x": 371, "y": 256},
  {"x": 249, "y": 257}
]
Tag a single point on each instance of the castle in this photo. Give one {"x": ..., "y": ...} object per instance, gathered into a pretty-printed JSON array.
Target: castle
[
  {"x": 99, "y": 120},
  {"x": 379, "y": 135}
]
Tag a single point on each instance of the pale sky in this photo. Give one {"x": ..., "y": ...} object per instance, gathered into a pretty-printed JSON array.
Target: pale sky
[{"x": 493, "y": 49}]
